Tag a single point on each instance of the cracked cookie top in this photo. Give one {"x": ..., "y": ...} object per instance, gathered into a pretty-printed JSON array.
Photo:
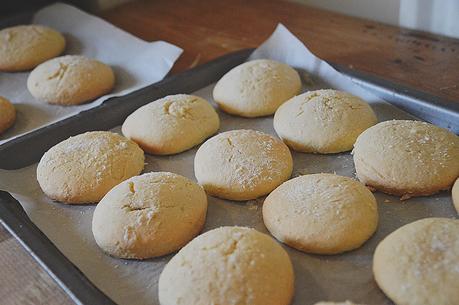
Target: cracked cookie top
[
  {"x": 256, "y": 88},
  {"x": 242, "y": 164},
  {"x": 172, "y": 124},
  {"x": 323, "y": 121},
  {"x": 228, "y": 265},
  {"x": 321, "y": 213},
  {"x": 149, "y": 215},
  {"x": 407, "y": 158},
  {"x": 83, "y": 168},
  {"x": 24, "y": 47},
  {"x": 70, "y": 80}
]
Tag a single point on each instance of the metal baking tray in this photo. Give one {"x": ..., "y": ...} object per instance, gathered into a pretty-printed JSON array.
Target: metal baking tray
[{"x": 104, "y": 117}]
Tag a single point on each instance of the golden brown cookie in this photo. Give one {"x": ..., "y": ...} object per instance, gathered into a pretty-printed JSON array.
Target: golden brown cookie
[
  {"x": 323, "y": 121},
  {"x": 419, "y": 263},
  {"x": 24, "y": 47},
  {"x": 321, "y": 213},
  {"x": 83, "y": 168},
  {"x": 70, "y": 80},
  {"x": 172, "y": 124},
  {"x": 149, "y": 215},
  {"x": 228, "y": 265},
  {"x": 256, "y": 88},
  {"x": 407, "y": 158},
  {"x": 7, "y": 114},
  {"x": 242, "y": 164}
]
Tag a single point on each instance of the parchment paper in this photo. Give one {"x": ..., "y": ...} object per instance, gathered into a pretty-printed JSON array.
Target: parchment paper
[
  {"x": 136, "y": 64},
  {"x": 335, "y": 278}
]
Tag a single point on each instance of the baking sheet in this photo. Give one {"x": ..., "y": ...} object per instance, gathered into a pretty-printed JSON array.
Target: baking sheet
[
  {"x": 136, "y": 64},
  {"x": 338, "y": 277}
]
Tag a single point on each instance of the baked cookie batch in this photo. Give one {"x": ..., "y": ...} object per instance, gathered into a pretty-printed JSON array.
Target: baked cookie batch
[
  {"x": 158, "y": 213},
  {"x": 65, "y": 80}
]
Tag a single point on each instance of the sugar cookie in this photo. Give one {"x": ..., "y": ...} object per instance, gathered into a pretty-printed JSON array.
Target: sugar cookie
[
  {"x": 228, "y": 265},
  {"x": 23, "y": 47},
  {"x": 82, "y": 169},
  {"x": 172, "y": 124},
  {"x": 242, "y": 164},
  {"x": 256, "y": 88},
  {"x": 419, "y": 263},
  {"x": 323, "y": 121},
  {"x": 7, "y": 114},
  {"x": 407, "y": 158},
  {"x": 70, "y": 80},
  {"x": 321, "y": 213},
  {"x": 149, "y": 215}
]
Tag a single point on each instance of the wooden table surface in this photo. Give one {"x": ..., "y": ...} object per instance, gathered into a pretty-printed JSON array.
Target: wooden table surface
[{"x": 208, "y": 29}]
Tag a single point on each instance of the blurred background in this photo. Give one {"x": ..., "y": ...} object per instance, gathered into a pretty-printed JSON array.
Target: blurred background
[{"x": 435, "y": 16}]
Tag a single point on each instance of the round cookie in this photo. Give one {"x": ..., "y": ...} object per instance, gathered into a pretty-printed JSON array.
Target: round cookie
[
  {"x": 242, "y": 164},
  {"x": 256, "y": 88},
  {"x": 7, "y": 114},
  {"x": 321, "y": 213},
  {"x": 419, "y": 263},
  {"x": 172, "y": 124},
  {"x": 228, "y": 265},
  {"x": 70, "y": 80},
  {"x": 149, "y": 215},
  {"x": 455, "y": 195},
  {"x": 407, "y": 158},
  {"x": 82, "y": 169},
  {"x": 24, "y": 47},
  {"x": 323, "y": 121}
]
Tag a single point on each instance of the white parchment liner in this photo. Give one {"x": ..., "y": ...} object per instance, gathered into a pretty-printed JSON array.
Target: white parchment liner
[{"x": 335, "y": 278}]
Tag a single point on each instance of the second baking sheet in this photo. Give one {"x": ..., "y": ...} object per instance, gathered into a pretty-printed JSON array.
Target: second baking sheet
[{"x": 136, "y": 64}]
